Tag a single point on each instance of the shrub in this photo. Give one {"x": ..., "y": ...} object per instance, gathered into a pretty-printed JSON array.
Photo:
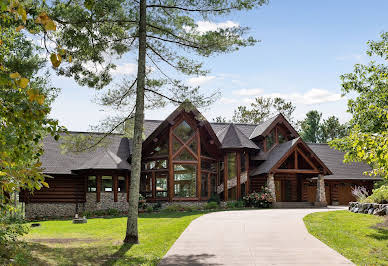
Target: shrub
[
  {"x": 113, "y": 212},
  {"x": 142, "y": 205},
  {"x": 149, "y": 209},
  {"x": 12, "y": 226},
  {"x": 157, "y": 206},
  {"x": 379, "y": 195},
  {"x": 360, "y": 193},
  {"x": 261, "y": 199},
  {"x": 175, "y": 208},
  {"x": 230, "y": 204},
  {"x": 211, "y": 205},
  {"x": 215, "y": 198},
  {"x": 239, "y": 204}
]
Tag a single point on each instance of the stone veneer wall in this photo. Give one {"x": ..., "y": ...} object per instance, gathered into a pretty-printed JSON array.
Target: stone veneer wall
[
  {"x": 369, "y": 208},
  {"x": 106, "y": 202},
  {"x": 39, "y": 210}
]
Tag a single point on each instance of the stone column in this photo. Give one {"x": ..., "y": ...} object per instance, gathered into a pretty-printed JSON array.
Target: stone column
[
  {"x": 321, "y": 194},
  {"x": 271, "y": 186}
]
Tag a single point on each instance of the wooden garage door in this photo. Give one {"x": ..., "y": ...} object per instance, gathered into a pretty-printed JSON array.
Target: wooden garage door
[
  {"x": 345, "y": 194},
  {"x": 312, "y": 192}
]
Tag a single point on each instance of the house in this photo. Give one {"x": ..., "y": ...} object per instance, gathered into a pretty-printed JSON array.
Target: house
[{"x": 187, "y": 159}]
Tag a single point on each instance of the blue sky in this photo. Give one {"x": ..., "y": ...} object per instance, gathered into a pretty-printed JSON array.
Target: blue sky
[{"x": 305, "y": 46}]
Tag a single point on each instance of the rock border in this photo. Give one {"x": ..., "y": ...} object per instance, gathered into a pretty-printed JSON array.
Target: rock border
[{"x": 369, "y": 208}]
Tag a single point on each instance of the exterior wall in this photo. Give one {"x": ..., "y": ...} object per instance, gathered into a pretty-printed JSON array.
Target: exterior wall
[
  {"x": 106, "y": 202},
  {"x": 40, "y": 210}
]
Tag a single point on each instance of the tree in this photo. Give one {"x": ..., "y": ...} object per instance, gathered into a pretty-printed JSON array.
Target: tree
[
  {"x": 331, "y": 129},
  {"x": 367, "y": 140},
  {"x": 93, "y": 30},
  {"x": 262, "y": 109},
  {"x": 25, "y": 99},
  {"x": 310, "y": 127}
]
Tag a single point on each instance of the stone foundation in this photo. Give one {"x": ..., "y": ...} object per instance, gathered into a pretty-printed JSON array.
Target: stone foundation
[
  {"x": 40, "y": 210},
  {"x": 106, "y": 202},
  {"x": 182, "y": 203},
  {"x": 369, "y": 208}
]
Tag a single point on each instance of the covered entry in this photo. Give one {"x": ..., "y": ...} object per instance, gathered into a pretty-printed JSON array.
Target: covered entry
[{"x": 287, "y": 168}]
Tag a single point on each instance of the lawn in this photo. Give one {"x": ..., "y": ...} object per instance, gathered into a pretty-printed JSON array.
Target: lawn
[
  {"x": 99, "y": 242},
  {"x": 356, "y": 236}
]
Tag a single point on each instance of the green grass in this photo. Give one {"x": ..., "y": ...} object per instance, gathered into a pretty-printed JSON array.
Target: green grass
[
  {"x": 99, "y": 242},
  {"x": 354, "y": 235}
]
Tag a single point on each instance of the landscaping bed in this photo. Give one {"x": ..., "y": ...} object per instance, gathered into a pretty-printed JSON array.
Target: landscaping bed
[{"x": 362, "y": 238}]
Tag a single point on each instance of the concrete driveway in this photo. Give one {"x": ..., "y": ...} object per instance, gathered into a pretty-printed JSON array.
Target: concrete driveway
[{"x": 253, "y": 237}]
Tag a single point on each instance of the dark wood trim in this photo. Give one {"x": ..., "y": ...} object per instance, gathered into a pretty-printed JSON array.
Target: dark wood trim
[
  {"x": 153, "y": 185},
  {"x": 170, "y": 181},
  {"x": 114, "y": 177},
  {"x": 238, "y": 185},
  {"x": 247, "y": 185},
  {"x": 207, "y": 158},
  {"x": 293, "y": 171},
  {"x": 296, "y": 159},
  {"x": 225, "y": 177},
  {"x": 199, "y": 173},
  {"x": 307, "y": 159},
  {"x": 185, "y": 162},
  {"x": 209, "y": 188},
  {"x": 98, "y": 188}
]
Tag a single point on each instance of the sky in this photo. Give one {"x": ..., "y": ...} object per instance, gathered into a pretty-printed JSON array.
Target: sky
[{"x": 305, "y": 47}]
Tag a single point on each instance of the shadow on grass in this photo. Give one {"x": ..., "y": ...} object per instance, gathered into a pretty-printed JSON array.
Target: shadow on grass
[
  {"x": 40, "y": 254},
  {"x": 380, "y": 234},
  {"x": 191, "y": 260}
]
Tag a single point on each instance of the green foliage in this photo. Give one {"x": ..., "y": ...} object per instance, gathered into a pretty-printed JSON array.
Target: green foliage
[
  {"x": 149, "y": 209},
  {"x": 262, "y": 109},
  {"x": 12, "y": 226},
  {"x": 368, "y": 138},
  {"x": 260, "y": 199},
  {"x": 379, "y": 195},
  {"x": 214, "y": 198},
  {"x": 315, "y": 130},
  {"x": 157, "y": 206},
  {"x": 211, "y": 205},
  {"x": 176, "y": 208}
]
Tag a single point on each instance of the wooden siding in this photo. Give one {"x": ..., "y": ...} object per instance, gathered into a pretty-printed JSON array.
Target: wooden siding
[{"x": 62, "y": 188}]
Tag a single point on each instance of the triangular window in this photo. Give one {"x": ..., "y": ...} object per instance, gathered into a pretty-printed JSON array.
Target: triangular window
[
  {"x": 184, "y": 131},
  {"x": 185, "y": 155}
]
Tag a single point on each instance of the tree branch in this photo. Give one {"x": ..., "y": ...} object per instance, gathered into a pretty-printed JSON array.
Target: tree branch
[
  {"x": 191, "y": 9},
  {"x": 162, "y": 95}
]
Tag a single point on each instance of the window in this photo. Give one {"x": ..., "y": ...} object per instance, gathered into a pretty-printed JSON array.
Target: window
[
  {"x": 185, "y": 155},
  {"x": 204, "y": 185},
  {"x": 213, "y": 184},
  {"x": 281, "y": 138},
  {"x": 106, "y": 184},
  {"x": 92, "y": 184},
  {"x": 232, "y": 167},
  {"x": 270, "y": 139},
  {"x": 161, "y": 185},
  {"x": 242, "y": 162},
  {"x": 185, "y": 181},
  {"x": 184, "y": 131},
  {"x": 121, "y": 184}
]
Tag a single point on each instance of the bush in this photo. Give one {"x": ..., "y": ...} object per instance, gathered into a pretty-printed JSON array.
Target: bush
[
  {"x": 176, "y": 208},
  {"x": 215, "y": 198},
  {"x": 157, "y": 206},
  {"x": 239, "y": 204},
  {"x": 12, "y": 226},
  {"x": 261, "y": 199},
  {"x": 379, "y": 195},
  {"x": 113, "y": 212},
  {"x": 360, "y": 193},
  {"x": 149, "y": 209},
  {"x": 211, "y": 205}
]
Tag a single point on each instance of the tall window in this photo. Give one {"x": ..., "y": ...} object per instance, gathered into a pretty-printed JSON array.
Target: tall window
[
  {"x": 232, "y": 167},
  {"x": 161, "y": 185},
  {"x": 185, "y": 180},
  {"x": 281, "y": 138},
  {"x": 270, "y": 140},
  {"x": 106, "y": 184},
  {"x": 121, "y": 184},
  {"x": 92, "y": 184},
  {"x": 204, "y": 185}
]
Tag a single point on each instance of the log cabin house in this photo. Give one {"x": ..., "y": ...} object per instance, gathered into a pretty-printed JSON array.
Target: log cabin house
[{"x": 187, "y": 159}]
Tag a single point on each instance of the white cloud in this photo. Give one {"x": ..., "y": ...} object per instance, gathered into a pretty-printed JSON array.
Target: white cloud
[
  {"x": 248, "y": 92},
  {"x": 227, "y": 100},
  {"x": 204, "y": 26},
  {"x": 125, "y": 69},
  {"x": 313, "y": 96},
  {"x": 200, "y": 80}
]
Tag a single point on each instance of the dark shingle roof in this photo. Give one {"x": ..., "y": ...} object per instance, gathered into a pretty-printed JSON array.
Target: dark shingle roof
[
  {"x": 259, "y": 129},
  {"x": 55, "y": 161},
  {"x": 273, "y": 157},
  {"x": 231, "y": 137},
  {"x": 333, "y": 159},
  {"x": 105, "y": 160}
]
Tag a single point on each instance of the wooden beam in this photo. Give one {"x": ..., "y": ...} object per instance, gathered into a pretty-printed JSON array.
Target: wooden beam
[
  {"x": 295, "y": 160},
  {"x": 307, "y": 159},
  {"x": 296, "y": 171},
  {"x": 98, "y": 188},
  {"x": 247, "y": 169},
  {"x": 153, "y": 185},
  {"x": 238, "y": 186},
  {"x": 115, "y": 187},
  {"x": 170, "y": 181},
  {"x": 199, "y": 173},
  {"x": 225, "y": 177}
]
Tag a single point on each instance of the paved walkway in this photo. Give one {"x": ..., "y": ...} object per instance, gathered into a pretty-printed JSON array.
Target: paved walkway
[{"x": 254, "y": 237}]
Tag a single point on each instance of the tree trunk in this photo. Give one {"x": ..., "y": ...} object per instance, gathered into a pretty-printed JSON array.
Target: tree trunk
[{"x": 131, "y": 235}]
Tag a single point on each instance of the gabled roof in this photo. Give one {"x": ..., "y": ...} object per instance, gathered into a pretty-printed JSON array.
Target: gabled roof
[
  {"x": 55, "y": 161},
  {"x": 274, "y": 157},
  {"x": 231, "y": 137},
  {"x": 105, "y": 160},
  {"x": 184, "y": 107},
  {"x": 264, "y": 128},
  {"x": 334, "y": 160}
]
